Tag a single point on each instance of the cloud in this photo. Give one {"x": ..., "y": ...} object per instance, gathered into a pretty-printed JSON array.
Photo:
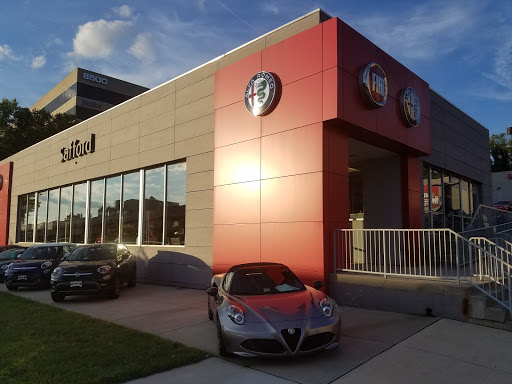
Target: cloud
[
  {"x": 98, "y": 39},
  {"x": 123, "y": 11},
  {"x": 38, "y": 62},
  {"x": 424, "y": 32},
  {"x": 142, "y": 48},
  {"x": 201, "y": 4},
  {"x": 270, "y": 7},
  {"x": 6, "y": 53}
]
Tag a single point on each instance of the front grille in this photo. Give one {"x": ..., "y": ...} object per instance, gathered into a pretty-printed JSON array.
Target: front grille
[
  {"x": 291, "y": 340},
  {"x": 316, "y": 341},
  {"x": 263, "y": 346}
]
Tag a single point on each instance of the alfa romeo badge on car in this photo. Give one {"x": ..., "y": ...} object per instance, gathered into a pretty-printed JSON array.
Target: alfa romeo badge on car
[
  {"x": 262, "y": 93},
  {"x": 410, "y": 107}
]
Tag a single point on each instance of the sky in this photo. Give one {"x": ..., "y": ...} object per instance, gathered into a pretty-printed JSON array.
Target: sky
[{"x": 462, "y": 48}]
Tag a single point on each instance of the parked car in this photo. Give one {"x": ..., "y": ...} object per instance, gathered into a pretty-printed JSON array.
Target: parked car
[
  {"x": 94, "y": 269},
  {"x": 34, "y": 267},
  {"x": 10, "y": 246},
  {"x": 504, "y": 204},
  {"x": 263, "y": 309},
  {"x": 7, "y": 257}
]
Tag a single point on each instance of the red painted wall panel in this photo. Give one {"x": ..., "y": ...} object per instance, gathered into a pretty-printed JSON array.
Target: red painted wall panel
[
  {"x": 292, "y": 199},
  {"x": 233, "y": 124},
  {"x": 301, "y": 104},
  {"x": 5, "y": 202},
  {"x": 234, "y": 79},
  {"x": 292, "y": 152},
  {"x": 235, "y": 244},
  {"x": 237, "y": 163},
  {"x": 295, "y": 58},
  {"x": 331, "y": 38},
  {"x": 242, "y": 202},
  {"x": 290, "y": 243}
]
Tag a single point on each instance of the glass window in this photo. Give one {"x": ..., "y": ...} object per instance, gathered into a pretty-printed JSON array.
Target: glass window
[
  {"x": 437, "y": 190},
  {"x": 42, "y": 198},
  {"x": 131, "y": 192},
  {"x": 65, "y": 214},
  {"x": 53, "y": 215},
  {"x": 153, "y": 206},
  {"x": 22, "y": 218},
  {"x": 426, "y": 195},
  {"x": 465, "y": 199},
  {"x": 112, "y": 204},
  {"x": 96, "y": 211},
  {"x": 455, "y": 183},
  {"x": 30, "y": 216},
  {"x": 176, "y": 204},
  {"x": 78, "y": 220}
]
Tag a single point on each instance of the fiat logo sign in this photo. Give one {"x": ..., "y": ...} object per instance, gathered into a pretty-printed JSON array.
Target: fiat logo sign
[
  {"x": 373, "y": 85},
  {"x": 262, "y": 93},
  {"x": 410, "y": 107}
]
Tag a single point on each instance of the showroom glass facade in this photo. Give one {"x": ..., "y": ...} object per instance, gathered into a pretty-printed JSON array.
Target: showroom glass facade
[
  {"x": 449, "y": 201},
  {"x": 110, "y": 209}
]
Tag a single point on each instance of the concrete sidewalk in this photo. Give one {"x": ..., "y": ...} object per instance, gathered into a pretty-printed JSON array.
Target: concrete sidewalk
[{"x": 385, "y": 346}]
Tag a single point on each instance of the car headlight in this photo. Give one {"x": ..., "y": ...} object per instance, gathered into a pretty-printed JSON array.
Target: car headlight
[
  {"x": 46, "y": 264},
  {"x": 4, "y": 267},
  {"x": 236, "y": 314},
  {"x": 327, "y": 307},
  {"x": 57, "y": 271},
  {"x": 104, "y": 269}
]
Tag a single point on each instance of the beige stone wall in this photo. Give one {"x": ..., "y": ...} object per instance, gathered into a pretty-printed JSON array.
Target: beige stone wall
[{"x": 171, "y": 122}]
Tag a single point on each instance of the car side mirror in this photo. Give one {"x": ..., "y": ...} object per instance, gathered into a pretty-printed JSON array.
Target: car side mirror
[
  {"x": 318, "y": 284},
  {"x": 65, "y": 257},
  {"x": 213, "y": 291}
]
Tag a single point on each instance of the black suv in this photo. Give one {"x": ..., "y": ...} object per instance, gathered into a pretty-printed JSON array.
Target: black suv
[
  {"x": 34, "y": 267},
  {"x": 94, "y": 269}
]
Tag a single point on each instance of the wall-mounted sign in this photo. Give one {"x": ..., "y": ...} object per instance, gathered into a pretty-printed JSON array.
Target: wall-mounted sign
[
  {"x": 373, "y": 85},
  {"x": 96, "y": 79},
  {"x": 262, "y": 93},
  {"x": 1, "y": 182},
  {"x": 410, "y": 107},
  {"x": 78, "y": 148}
]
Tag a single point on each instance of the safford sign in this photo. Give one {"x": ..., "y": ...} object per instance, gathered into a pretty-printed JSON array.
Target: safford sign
[{"x": 78, "y": 149}]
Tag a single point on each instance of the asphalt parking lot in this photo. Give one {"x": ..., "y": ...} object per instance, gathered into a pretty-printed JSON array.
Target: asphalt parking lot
[{"x": 385, "y": 346}]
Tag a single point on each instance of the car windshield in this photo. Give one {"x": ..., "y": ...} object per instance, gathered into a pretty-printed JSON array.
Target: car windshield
[
  {"x": 265, "y": 281},
  {"x": 10, "y": 254},
  {"x": 42, "y": 253},
  {"x": 94, "y": 253}
]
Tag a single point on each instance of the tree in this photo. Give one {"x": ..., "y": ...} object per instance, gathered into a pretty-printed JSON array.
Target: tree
[
  {"x": 501, "y": 152},
  {"x": 20, "y": 127}
]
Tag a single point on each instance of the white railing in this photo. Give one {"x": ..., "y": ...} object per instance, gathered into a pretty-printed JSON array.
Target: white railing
[{"x": 427, "y": 253}]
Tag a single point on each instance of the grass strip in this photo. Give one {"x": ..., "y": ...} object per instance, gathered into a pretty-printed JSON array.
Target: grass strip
[{"x": 44, "y": 344}]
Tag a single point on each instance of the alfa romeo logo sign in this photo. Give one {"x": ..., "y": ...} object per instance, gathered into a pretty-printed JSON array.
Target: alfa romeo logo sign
[
  {"x": 410, "y": 107},
  {"x": 260, "y": 93},
  {"x": 373, "y": 85}
]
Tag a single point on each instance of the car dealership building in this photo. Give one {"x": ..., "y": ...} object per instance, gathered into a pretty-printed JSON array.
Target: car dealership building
[{"x": 257, "y": 155}]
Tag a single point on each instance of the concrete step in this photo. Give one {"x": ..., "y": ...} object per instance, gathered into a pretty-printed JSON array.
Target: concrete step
[{"x": 482, "y": 307}]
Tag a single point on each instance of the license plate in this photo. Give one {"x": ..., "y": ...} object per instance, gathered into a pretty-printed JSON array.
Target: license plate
[
  {"x": 22, "y": 277},
  {"x": 75, "y": 284}
]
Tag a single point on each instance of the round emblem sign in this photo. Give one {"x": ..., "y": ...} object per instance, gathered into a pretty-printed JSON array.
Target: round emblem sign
[
  {"x": 410, "y": 107},
  {"x": 374, "y": 85},
  {"x": 260, "y": 93}
]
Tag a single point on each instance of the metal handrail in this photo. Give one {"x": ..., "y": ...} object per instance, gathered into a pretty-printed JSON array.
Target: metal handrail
[{"x": 427, "y": 253}]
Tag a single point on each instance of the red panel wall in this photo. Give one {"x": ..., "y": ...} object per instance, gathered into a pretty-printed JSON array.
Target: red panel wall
[
  {"x": 5, "y": 202},
  {"x": 281, "y": 180}
]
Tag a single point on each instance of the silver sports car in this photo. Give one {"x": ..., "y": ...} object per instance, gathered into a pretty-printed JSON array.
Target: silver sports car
[{"x": 263, "y": 309}]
